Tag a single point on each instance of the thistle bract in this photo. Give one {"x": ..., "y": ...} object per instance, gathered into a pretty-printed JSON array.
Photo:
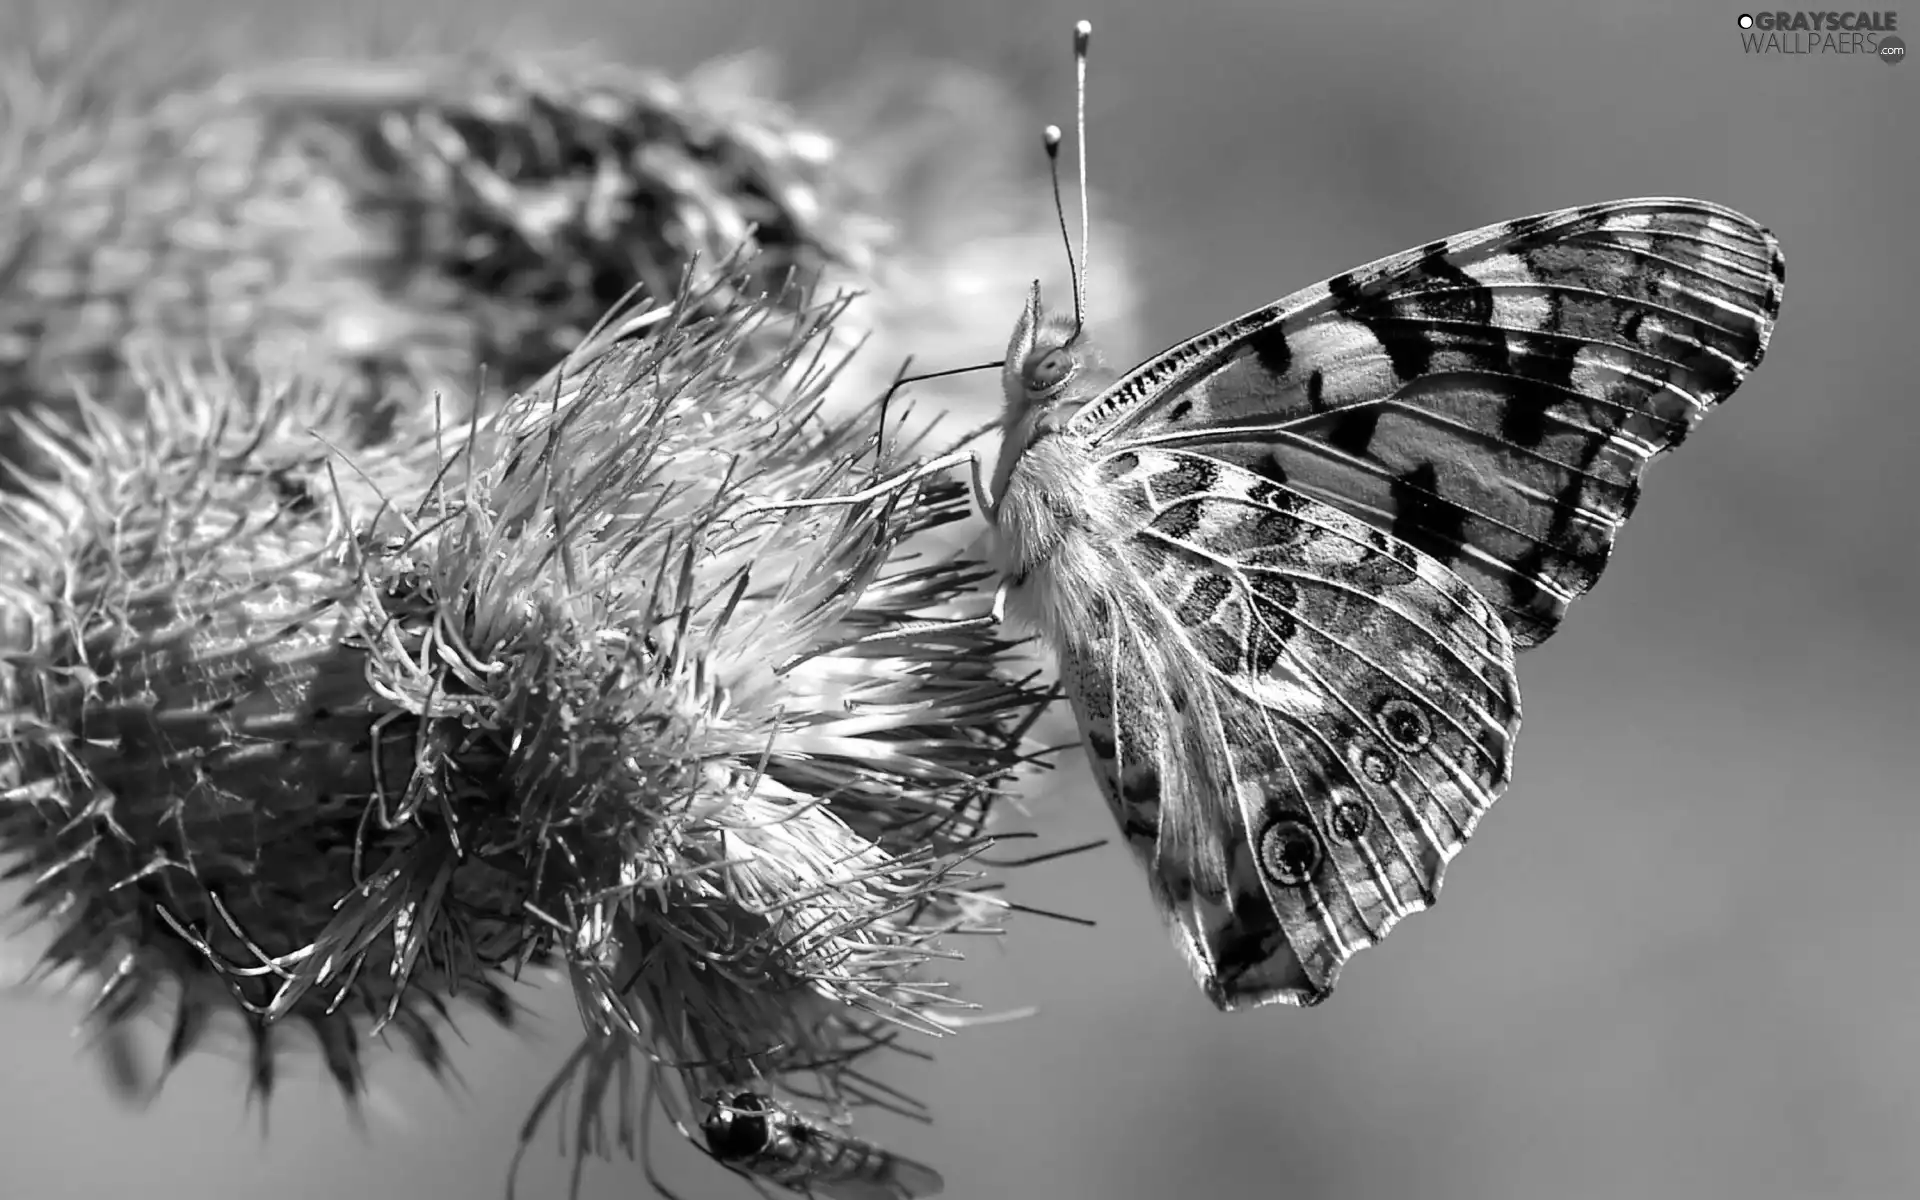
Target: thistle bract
[{"x": 444, "y": 226}]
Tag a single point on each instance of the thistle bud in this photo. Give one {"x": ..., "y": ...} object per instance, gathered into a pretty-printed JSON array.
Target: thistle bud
[{"x": 443, "y": 226}]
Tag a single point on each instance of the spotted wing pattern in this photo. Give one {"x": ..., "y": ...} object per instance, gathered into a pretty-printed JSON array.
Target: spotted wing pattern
[
  {"x": 1297, "y": 719},
  {"x": 1491, "y": 399}
]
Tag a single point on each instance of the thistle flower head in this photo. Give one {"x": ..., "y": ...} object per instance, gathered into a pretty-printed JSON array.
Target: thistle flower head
[
  {"x": 298, "y": 727},
  {"x": 308, "y": 723}
]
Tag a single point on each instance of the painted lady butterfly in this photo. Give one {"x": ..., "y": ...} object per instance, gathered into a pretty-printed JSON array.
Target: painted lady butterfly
[{"x": 1285, "y": 565}]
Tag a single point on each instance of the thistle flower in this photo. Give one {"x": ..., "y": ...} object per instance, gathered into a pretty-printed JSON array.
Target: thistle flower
[
  {"x": 306, "y": 725},
  {"x": 297, "y": 727}
]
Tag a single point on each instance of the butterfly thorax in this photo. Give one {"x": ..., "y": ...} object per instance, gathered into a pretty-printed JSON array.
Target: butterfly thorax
[{"x": 1054, "y": 521}]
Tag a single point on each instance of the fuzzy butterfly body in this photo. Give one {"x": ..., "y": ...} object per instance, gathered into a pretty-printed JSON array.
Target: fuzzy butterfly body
[{"x": 1285, "y": 565}]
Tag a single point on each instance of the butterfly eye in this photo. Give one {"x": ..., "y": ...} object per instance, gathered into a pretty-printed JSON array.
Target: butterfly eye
[{"x": 1047, "y": 371}]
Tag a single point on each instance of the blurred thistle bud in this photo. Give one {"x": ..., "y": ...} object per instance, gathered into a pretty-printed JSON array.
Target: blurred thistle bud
[
  {"x": 451, "y": 224},
  {"x": 385, "y": 228},
  {"x": 308, "y": 729}
]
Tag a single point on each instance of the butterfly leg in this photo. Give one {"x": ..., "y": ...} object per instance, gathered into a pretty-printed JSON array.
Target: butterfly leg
[{"x": 885, "y": 487}]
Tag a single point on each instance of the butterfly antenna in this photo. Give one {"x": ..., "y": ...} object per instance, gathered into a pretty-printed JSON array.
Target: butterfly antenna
[
  {"x": 902, "y": 379},
  {"x": 880, "y": 431},
  {"x": 1082, "y": 35},
  {"x": 1052, "y": 137}
]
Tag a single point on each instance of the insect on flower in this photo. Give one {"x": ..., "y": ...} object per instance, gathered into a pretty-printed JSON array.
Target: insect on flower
[
  {"x": 772, "y": 1140},
  {"x": 1286, "y": 564}
]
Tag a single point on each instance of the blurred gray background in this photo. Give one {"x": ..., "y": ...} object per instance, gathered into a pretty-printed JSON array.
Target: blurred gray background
[{"x": 1677, "y": 961}]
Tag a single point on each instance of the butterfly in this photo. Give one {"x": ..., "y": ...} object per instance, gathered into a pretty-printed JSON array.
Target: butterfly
[
  {"x": 774, "y": 1141},
  {"x": 1285, "y": 565}
]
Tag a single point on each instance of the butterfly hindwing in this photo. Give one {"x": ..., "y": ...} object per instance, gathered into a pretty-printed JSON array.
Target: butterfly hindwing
[
  {"x": 1297, "y": 720},
  {"x": 1491, "y": 399}
]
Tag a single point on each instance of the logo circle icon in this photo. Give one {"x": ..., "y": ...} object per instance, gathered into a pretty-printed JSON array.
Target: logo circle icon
[
  {"x": 1746, "y": 20},
  {"x": 1892, "y": 50}
]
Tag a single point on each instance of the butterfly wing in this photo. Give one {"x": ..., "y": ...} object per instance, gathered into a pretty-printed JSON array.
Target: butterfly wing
[
  {"x": 1491, "y": 399},
  {"x": 1296, "y": 719}
]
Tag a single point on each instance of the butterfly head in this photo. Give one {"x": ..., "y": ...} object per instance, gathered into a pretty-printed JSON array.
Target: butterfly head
[{"x": 1051, "y": 370}]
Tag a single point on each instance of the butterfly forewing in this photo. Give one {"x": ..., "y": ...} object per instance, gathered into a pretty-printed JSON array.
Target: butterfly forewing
[{"x": 1492, "y": 398}]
